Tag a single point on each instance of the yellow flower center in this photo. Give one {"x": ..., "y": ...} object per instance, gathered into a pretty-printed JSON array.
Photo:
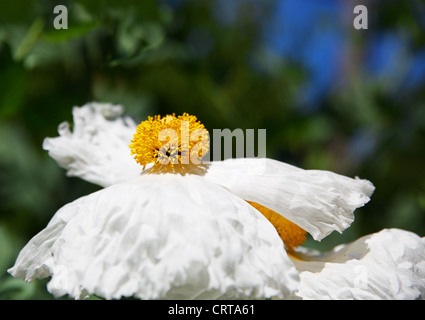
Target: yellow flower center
[
  {"x": 170, "y": 140},
  {"x": 291, "y": 234}
]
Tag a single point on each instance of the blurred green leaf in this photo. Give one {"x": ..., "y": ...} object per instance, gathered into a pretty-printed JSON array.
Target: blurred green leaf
[
  {"x": 30, "y": 39},
  {"x": 63, "y": 35}
]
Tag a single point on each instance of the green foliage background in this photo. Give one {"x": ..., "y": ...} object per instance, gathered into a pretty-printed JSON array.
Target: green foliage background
[{"x": 155, "y": 58}]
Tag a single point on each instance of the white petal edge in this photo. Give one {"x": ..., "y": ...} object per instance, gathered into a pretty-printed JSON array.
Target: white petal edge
[
  {"x": 388, "y": 265},
  {"x": 185, "y": 238},
  {"x": 97, "y": 150},
  {"x": 318, "y": 201}
]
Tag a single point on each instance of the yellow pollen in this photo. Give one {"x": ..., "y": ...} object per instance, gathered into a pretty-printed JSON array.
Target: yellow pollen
[
  {"x": 291, "y": 234},
  {"x": 170, "y": 140}
]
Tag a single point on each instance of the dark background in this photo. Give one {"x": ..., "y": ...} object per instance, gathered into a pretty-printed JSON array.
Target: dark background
[{"x": 330, "y": 96}]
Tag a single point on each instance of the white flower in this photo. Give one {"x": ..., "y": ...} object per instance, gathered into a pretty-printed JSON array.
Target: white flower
[
  {"x": 211, "y": 231},
  {"x": 386, "y": 265}
]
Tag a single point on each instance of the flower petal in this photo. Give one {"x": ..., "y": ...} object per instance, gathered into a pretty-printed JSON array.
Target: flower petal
[
  {"x": 97, "y": 148},
  {"x": 185, "y": 238},
  {"x": 389, "y": 264},
  {"x": 317, "y": 201}
]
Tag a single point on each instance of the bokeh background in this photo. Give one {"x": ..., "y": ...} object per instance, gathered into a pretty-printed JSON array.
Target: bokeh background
[{"x": 330, "y": 96}]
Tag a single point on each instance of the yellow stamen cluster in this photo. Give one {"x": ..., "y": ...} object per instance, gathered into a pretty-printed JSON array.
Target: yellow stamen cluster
[
  {"x": 170, "y": 140},
  {"x": 291, "y": 234}
]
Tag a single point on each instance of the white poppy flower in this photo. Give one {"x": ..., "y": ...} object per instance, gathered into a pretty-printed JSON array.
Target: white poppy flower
[
  {"x": 206, "y": 231},
  {"x": 386, "y": 265}
]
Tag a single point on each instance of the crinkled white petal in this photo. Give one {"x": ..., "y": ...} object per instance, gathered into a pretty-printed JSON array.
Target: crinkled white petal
[
  {"x": 97, "y": 150},
  {"x": 318, "y": 201},
  {"x": 160, "y": 237},
  {"x": 389, "y": 264}
]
